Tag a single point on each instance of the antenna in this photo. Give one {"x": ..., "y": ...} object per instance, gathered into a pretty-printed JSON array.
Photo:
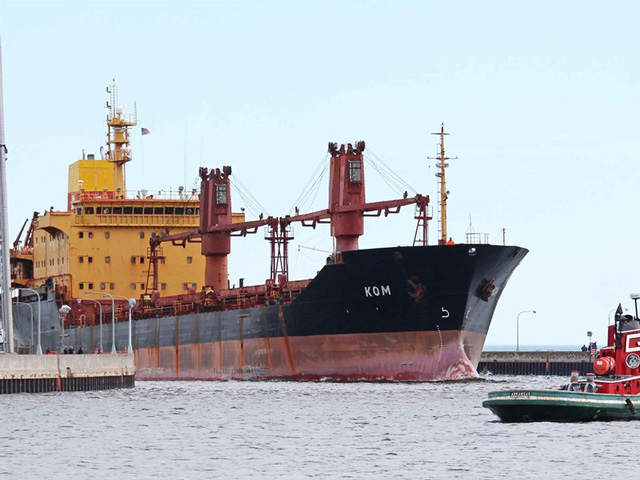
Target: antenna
[{"x": 443, "y": 193}]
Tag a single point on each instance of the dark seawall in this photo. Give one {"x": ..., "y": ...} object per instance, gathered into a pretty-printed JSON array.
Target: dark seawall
[{"x": 535, "y": 363}]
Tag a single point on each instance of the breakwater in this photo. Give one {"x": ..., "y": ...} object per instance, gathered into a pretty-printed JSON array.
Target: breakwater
[
  {"x": 535, "y": 363},
  {"x": 65, "y": 373}
]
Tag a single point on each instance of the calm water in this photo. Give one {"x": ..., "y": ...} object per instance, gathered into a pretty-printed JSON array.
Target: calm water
[{"x": 233, "y": 430}]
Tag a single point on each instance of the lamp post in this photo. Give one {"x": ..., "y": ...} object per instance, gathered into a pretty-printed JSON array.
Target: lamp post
[
  {"x": 39, "y": 348},
  {"x": 132, "y": 303},
  {"x": 518, "y": 328},
  {"x": 30, "y": 308},
  {"x": 64, "y": 309},
  {"x": 113, "y": 318},
  {"x": 100, "y": 305}
]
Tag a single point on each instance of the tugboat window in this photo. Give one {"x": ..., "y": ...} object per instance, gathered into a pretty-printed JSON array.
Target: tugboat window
[
  {"x": 355, "y": 171},
  {"x": 221, "y": 195}
]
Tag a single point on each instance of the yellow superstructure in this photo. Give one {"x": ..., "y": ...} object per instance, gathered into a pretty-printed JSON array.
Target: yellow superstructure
[{"x": 101, "y": 242}]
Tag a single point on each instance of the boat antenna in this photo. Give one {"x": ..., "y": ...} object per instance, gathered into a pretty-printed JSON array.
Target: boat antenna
[{"x": 443, "y": 193}]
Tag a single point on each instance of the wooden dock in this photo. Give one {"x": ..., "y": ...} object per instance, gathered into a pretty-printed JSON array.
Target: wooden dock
[
  {"x": 535, "y": 363},
  {"x": 65, "y": 373}
]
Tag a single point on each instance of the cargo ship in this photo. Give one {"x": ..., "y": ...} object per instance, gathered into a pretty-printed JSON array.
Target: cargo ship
[{"x": 147, "y": 272}]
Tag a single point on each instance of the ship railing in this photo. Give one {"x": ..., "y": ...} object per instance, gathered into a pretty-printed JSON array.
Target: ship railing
[
  {"x": 180, "y": 194},
  {"x": 478, "y": 238}
]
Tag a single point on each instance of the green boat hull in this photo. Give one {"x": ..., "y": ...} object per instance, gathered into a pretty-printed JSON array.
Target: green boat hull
[{"x": 561, "y": 406}]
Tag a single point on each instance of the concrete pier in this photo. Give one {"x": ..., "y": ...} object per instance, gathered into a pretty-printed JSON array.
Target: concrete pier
[
  {"x": 535, "y": 363},
  {"x": 65, "y": 373}
]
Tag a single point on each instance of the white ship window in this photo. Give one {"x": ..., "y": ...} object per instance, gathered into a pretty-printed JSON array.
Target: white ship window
[
  {"x": 222, "y": 197},
  {"x": 355, "y": 171}
]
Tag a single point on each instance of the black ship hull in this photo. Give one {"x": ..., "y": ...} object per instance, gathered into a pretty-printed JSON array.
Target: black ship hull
[{"x": 402, "y": 313}]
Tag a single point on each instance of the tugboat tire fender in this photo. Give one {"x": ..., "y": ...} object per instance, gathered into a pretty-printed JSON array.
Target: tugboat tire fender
[{"x": 629, "y": 403}]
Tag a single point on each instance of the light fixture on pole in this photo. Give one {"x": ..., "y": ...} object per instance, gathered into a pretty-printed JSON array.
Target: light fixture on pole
[
  {"x": 100, "y": 305},
  {"x": 518, "y": 328},
  {"x": 64, "y": 309},
  {"x": 113, "y": 318},
  {"x": 39, "y": 347},
  {"x": 132, "y": 303}
]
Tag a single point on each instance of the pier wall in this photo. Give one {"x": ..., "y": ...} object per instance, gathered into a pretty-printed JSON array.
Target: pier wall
[
  {"x": 535, "y": 363},
  {"x": 51, "y": 373}
]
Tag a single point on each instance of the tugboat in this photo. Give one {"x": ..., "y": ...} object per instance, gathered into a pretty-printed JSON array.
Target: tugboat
[{"x": 612, "y": 392}]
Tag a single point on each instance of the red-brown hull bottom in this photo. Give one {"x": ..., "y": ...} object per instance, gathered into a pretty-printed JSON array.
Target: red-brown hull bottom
[{"x": 406, "y": 356}]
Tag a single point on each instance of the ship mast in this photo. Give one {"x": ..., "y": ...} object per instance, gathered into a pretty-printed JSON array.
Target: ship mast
[
  {"x": 443, "y": 192},
  {"x": 118, "y": 139}
]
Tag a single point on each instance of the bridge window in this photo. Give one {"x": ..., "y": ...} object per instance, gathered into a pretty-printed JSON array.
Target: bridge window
[
  {"x": 137, "y": 210},
  {"x": 90, "y": 259},
  {"x": 141, "y": 234},
  {"x": 148, "y": 210},
  {"x": 158, "y": 211},
  {"x": 179, "y": 211},
  {"x": 128, "y": 210}
]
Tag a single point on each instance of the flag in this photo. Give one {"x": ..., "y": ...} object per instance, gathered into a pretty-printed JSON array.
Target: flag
[
  {"x": 618, "y": 311},
  {"x": 144, "y": 131}
]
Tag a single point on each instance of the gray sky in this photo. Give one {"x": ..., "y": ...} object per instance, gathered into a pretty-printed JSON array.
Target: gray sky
[{"x": 541, "y": 101}]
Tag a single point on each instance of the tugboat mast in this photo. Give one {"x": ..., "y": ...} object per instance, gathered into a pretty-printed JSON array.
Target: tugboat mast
[{"x": 444, "y": 193}]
